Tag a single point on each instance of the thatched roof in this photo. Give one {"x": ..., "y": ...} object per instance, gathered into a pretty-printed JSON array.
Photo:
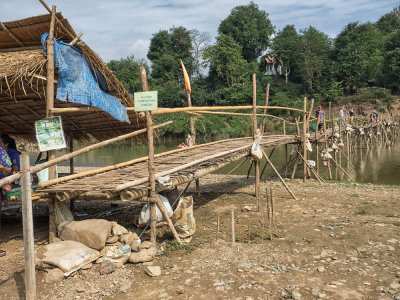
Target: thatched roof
[{"x": 23, "y": 83}]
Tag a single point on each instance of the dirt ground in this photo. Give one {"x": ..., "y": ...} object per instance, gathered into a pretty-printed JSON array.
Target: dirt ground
[{"x": 338, "y": 241}]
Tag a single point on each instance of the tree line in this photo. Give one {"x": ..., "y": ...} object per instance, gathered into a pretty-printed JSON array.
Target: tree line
[{"x": 362, "y": 62}]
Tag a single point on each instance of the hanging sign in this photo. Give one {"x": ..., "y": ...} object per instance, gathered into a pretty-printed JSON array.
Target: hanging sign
[
  {"x": 50, "y": 134},
  {"x": 146, "y": 101}
]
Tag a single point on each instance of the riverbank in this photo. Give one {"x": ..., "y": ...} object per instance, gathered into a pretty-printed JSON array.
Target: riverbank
[{"x": 338, "y": 241}]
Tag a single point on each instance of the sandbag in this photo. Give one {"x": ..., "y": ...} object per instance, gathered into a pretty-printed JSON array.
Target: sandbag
[
  {"x": 117, "y": 254},
  {"x": 92, "y": 233},
  {"x": 183, "y": 219},
  {"x": 69, "y": 256},
  {"x": 144, "y": 217}
]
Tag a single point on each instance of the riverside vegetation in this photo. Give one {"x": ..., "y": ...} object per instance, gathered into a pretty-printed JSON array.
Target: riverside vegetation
[{"x": 362, "y": 63}]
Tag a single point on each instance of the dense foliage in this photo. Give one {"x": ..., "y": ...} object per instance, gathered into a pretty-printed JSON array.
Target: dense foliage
[{"x": 361, "y": 63}]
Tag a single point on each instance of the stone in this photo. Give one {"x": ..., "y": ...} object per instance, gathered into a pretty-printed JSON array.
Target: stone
[
  {"x": 119, "y": 265},
  {"x": 321, "y": 296},
  {"x": 106, "y": 267},
  {"x": 397, "y": 297},
  {"x": 321, "y": 269},
  {"x": 125, "y": 287},
  {"x": 80, "y": 289},
  {"x": 153, "y": 271},
  {"x": 143, "y": 256},
  {"x": 394, "y": 285},
  {"x": 135, "y": 246},
  {"x": 54, "y": 276},
  {"x": 99, "y": 260},
  {"x": 147, "y": 245},
  {"x": 296, "y": 295},
  {"x": 87, "y": 266}
]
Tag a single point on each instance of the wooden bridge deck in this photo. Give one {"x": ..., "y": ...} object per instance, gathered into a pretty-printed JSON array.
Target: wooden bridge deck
[{"x": 201, "y": 159}]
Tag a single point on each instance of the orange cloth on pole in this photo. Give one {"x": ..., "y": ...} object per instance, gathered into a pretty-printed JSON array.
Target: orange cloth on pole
[{"x": 186, "y": 77}]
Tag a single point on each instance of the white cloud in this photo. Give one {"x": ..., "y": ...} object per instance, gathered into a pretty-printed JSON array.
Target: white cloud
[{"x": 119, "y": 28}]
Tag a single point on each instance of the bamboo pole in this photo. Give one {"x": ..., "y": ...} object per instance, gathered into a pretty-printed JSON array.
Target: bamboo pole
[
  {"x": 233, "y": 227},
  {"x": 191, "y": 117},
  {"x": 162, "y": 111},
  {"x": 286, "y": 149},
  {"x": 49, "y": 105},
  {"x": 266, "y": 164},
  {"x": 305, "y": 139},
  {"x": 28, "y": 235},
  {"x": 340, "y": 167},
  {"x": 240, "y": 114},
  {"x": 257, "y": 163},
  {"x": 150, "y": 161},
  {"x": 319, "y": 178},
  {"x": 279, "y": 176},
  {"x": 12, "y": 35},
  {"x": 265, "y": 110}
]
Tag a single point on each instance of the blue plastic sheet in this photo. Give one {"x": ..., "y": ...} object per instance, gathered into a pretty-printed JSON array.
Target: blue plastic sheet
[{"x": 77, "y": 84}]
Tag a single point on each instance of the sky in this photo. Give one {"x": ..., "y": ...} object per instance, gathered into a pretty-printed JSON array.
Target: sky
[{"x": 118, "y": 28}]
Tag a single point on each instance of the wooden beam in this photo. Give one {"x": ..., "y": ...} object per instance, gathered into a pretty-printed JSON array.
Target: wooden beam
[
  {"x": 12, "y": 35},
  {"x": 77, "y": 38}
]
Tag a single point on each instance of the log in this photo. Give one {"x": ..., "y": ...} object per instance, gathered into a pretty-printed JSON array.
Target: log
[
  {"x": 265, "y": 110},
  {"x": 279, "y": 176}
]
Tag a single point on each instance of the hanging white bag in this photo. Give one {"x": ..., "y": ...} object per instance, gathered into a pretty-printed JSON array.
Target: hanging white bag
[
  {"x": 256, "y": 153},
  {"x": 144, "y": 217},
  {"x": 308, "y": 146}
]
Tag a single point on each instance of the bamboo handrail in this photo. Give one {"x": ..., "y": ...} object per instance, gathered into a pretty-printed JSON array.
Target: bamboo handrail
[{"x": 37, "y": 168}]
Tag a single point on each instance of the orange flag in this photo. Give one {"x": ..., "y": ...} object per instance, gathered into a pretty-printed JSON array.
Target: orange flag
[{"x": 186, "y": 77}]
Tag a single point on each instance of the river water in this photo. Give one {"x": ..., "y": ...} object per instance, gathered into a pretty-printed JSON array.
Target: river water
[{"x": 378, "y": 164}]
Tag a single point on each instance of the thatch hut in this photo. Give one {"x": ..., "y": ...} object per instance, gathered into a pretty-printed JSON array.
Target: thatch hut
[{"x": 23, "y": 84}]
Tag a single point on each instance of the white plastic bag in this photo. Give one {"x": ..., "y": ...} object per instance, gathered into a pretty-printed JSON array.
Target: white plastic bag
[
  {"x": 256, "y": 153},
  {"x": 293, "y": 151},
  {"x": 118, "y": 253},
  {"x": 311, "y": 163},
  {"x": 308, "y": 146},
  {"x": 144, "y": 217}
]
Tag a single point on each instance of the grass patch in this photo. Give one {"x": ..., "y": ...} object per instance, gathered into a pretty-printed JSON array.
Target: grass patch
[
  {"x": 175, "y": 246},
  {"x": 362, "y": 212},
  {"x": 396, "y": 223},
  {"x": 233, "y": 182},
  {"x": 355, "y": 195}
]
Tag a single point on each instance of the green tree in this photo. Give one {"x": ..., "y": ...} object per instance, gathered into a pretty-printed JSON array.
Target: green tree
[
  {"x": 127, "y": 71},
  {"x": 225, "y": 60},
  {"x": 358, "y": 53},
  {"x": 389, "y": 22},
  {"x": 250, "y": 28},
  {"x": 391, "y": 67},
  {"x": 314, "y": 55},
  {"x": 285, "y": 45}
]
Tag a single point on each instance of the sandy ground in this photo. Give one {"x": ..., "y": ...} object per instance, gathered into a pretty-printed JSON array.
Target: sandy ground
[{"x": 338, "y": 241}]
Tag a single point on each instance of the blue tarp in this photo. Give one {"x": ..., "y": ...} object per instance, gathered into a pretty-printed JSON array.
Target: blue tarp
[{"x": 77, "y": 84}]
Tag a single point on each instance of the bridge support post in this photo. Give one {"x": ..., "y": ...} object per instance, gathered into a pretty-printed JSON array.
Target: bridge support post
[
  {"x": 257, "y": 163},
  {"x": 305, "y": 138}
]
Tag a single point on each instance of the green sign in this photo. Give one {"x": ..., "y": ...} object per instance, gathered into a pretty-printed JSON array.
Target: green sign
[
  {"x": 145, "y": 101},
  {"x": 50, "y": 134}
]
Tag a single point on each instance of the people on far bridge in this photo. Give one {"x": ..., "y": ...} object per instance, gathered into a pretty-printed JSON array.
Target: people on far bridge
[
  {"x": 319, "y": 114},
  {"x": 341, "y": 116}
]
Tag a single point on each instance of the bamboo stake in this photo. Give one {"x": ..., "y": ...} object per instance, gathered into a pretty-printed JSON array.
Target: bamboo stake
[
  {"x": 319, "y": 178},
  {"x": 286, "y": 149},
  {"x": 348, "y": 160},
  {"x": 218, "y": 224},
  {"x": 265, "y": 110},
  {"x": 270, "y": 216},
  {"x": 305, "y": 139},
  {"x": 279, "y": 176},
  {"x": 28, "y": 235},
  {"x": 257, "y": 163},
  {"x": 340, "y": 167},
  {"x": 192, "y": 128},
  {"x": 49, "y": 105},
  {"x": 233, "y": 227}
]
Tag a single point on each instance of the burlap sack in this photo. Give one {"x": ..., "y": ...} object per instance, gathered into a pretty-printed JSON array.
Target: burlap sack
[
  {"x": 92, "y": 233},
  {"x": 183, "y": 219}
]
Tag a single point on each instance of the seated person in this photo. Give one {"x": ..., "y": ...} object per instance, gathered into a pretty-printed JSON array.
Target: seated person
[
  {"x": 11, "y": 148},
  {"x": 5, "y": 168}
]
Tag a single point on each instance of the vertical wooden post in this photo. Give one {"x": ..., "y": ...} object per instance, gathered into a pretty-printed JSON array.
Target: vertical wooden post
[
  {"x": 265, "y": 110},
  {"x": 191, "y": 117},
  {"x": 197, "y": 186},
  {"x": 305, "y": 138},
  {"x": 150, "y": 146},
  {"x": 233, "y": 227},
  {"x": 49, "y": 106},
  {"x": 27, "y": 223},
  {"x": 317, "y": 157},
  {"x": 257, "y": 164},
  {"x": 286, "y": 149}
]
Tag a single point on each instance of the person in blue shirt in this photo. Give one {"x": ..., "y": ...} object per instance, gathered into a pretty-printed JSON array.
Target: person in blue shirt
[
  {"x": 9, "y": 145},
  {"x": 5, "y": 168}
]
